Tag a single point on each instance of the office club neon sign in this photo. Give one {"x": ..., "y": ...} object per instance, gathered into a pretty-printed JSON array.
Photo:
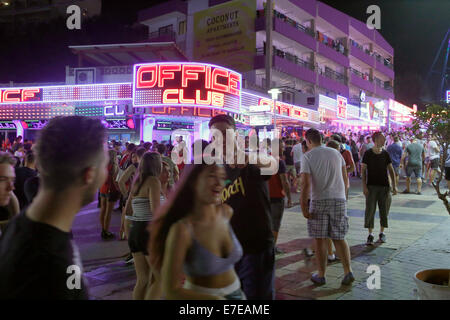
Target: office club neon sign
[
  {"x": 20, "y": 95},
  {"x": 186, "y": 84}
]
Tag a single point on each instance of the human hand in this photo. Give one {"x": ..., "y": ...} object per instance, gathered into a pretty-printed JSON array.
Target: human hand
[
  {"x": 307, "y": 215},
  {"x": 365, "y": 191},
  {"x": 394, "y": 191}
]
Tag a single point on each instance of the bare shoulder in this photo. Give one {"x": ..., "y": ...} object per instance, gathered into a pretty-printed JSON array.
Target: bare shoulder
[
  {"x": 153, "y": 181},
  {"x": 225, "y": 210},
  {"x": 180, "y": 232}
]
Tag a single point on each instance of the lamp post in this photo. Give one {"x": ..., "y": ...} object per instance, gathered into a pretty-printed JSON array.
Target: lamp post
[{"x": 274, "y": 92}]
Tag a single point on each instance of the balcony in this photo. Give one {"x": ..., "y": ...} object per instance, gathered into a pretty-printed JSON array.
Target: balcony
[
  {"x": 383, "y": 90},
  {"x": 384, "y": 68},
  {"x": 356, "y": 79},
  {"x": 363, "y": 56},
  {"x": 288, "y": 28},
  {"x": 162, "y": 36},
  {"x": 333, "y": 55},
  {"x": 334, "y": 81},
  {"x": 289, "y": 64}
]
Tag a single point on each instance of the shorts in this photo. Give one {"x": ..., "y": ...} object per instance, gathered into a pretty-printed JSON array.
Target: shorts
[
  {"x": 139, "y": 237},
  {"x": 447, "y": 173},
  {"x": 328, "y": 219},
  {"x": 291, "y": 169},
  {"x": 434, "y": 163},
  {"x": 276, "y": 213},
  {"x": 417, "y": 171},
  {"x": 297, "y": 167},
  {"x": 112, "y": 197},
  {"x": 396, "y": 170}
]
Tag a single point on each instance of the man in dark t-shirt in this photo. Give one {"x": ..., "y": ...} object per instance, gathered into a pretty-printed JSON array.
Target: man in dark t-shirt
[
  {"x": 37, "y": 258},
  {"x": 246, "y": 191},
  {"x": 375, "y": 164}
]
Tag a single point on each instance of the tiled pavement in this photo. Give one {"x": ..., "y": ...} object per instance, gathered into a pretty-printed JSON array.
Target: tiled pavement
[{"x": 418, "y": 238}]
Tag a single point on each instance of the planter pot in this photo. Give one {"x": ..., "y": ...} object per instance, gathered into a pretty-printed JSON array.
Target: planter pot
[{"x": 433, "y": 284}]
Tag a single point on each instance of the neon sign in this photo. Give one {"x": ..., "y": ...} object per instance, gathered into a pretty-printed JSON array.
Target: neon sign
[
  {"x": 282, "y": 108},
  {"x": 341, "y": 111},
  {"x": 186, "y": 84},
  {"x": 447, "y": 94},
  {"x": 7, "y": 125},
  {"x": 113, "y": 111},
  {"x": 78, "y": 93},
  {"x": 36, "y": 125},
  {"x": 171, "y": 125},
  {"x": 198, "y": 112},
  {"x": 20, "y": 95},
  {"x": 400, "y": 108}
]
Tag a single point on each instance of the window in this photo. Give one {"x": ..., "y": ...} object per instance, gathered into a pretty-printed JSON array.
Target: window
[
  {"x": 166, "y": 29},
  {"x": 182, "y": 27}
]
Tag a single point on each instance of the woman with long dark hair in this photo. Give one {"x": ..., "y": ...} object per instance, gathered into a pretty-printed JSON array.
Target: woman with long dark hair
[
  {"x": 144, "y": 199},
  {"x": 193, "y": 234}
]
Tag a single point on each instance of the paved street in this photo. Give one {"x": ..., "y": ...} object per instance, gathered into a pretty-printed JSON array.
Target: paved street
[{"x": 418, "y": 238}]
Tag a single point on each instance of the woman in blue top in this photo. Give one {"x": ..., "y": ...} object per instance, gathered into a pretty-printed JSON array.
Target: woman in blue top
[{"x": 193, "y": 234}]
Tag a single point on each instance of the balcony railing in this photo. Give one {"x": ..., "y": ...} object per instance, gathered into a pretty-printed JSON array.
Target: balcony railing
[
  {"x": 377, "y": 56},
  {"x": 281, "y": 16},
  {"x": 361, "y": 75},
  {"x": 331, "y": 74},
  {"x": 333, "y": 44},
  {"x": 384, "y": 85},
  {"x": 288, "y": 56}
]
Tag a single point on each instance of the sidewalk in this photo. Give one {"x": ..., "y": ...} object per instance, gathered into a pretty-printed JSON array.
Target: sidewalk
[{"x": 418, "y": 237}]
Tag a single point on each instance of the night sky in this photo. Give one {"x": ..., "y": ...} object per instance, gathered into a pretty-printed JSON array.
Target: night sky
[{"x": 415, "y": 29}]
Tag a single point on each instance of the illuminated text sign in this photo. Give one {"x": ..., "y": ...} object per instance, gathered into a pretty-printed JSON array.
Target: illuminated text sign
[
  {"x": 20, "y": 95},
  {"x": 341, "y": 111},
  {"x": 197, "y": 112},
  {"x": 111, "y": 111},
  {"x": 285, "y": 109},
  {"x": 65, "y": 94},
  {"x": 186, "y": 84}
]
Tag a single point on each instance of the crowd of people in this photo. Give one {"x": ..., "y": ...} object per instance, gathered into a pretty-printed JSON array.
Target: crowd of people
[{"x": 194, "y": 231}]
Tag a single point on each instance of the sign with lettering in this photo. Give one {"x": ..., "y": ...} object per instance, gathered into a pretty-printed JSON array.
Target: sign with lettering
[
  {"x": 186, "y": 84},
  {"x": 7, "y": 125},
  {"x": 341, "y": 111},
  {"x": 197, "y": 112},
  {"x": 36, "y": 124},
  {"x": 173, "y": 125},
  {"x": 114, "y": 111},
  {"x": 286, "y": 109}
]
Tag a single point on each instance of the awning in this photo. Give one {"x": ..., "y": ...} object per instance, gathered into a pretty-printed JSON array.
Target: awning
[{"x": 128, "y": 53}]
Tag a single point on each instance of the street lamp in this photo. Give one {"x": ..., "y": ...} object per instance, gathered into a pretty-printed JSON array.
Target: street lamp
[{"x": 274, "y": 92}]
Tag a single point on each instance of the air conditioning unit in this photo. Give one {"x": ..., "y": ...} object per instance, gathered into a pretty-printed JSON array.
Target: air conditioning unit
[{"x": 86, "y": 75}]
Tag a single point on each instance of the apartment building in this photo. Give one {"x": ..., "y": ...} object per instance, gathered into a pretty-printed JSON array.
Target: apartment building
[{"x": 317, "y": 50}]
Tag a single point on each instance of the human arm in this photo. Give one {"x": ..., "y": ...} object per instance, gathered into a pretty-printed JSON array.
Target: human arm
[
  {"x": 364, "y": 179},
  {"x": 124, "y": 178},
  {"x": 305, "y": 192},
  {"x": 345, "y": 177},
  {"x": 350, "y": 164},
  {"x": 286, "y": 188},
  {"x": 177, "y": 244},
  {"x": 154, "y": 193},
  {"x": 392, "y": 175}
]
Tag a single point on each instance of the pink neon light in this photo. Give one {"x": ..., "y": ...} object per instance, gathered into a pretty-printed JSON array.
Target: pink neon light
[
  {"x": 166, "y": 72},
  {"x": 190, "y": 72}
]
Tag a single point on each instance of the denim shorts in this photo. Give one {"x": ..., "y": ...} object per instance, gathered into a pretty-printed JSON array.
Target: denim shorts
[{"x": 417, "y": 172}]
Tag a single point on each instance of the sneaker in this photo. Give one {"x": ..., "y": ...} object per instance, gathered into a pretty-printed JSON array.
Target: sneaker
[
  {"x": 405, "y": 191},
  {"x": 318, "y": 280},
  {"x": 278, "y": 251},
  {"x": 382, "y": 238},
  {"x": 129, "y": 259},
  {"x": 334, "y": 259},
  {"x": 348, "y": 279},
  {"x": 418, "y": 193},
  {"x": 108, "y": 235},
  {"x": 308, "y": 252},
  {"x": 369, "y": 240}
]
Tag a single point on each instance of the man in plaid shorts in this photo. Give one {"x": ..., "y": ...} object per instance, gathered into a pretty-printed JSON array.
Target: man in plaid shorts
[{"x": 324, "y": 179}]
